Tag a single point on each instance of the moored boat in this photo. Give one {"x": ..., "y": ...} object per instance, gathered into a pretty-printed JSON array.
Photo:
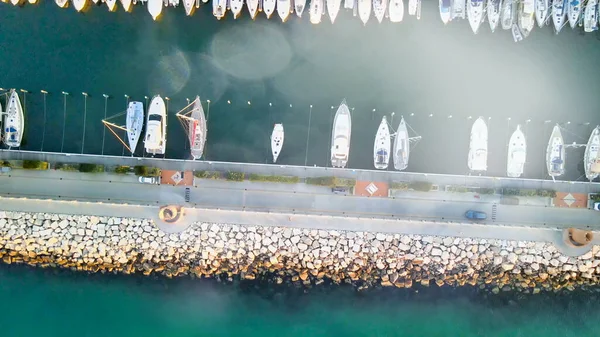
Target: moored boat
[
  {"x": 494, "y": 7},
  {"x": 396, "y": 10},
  {"x": 364, "y": 10},
  {"x": 459, "y": 9},
  {"x": 111, "y": 4},
  {"x": 284, "y": 8},
  {"x": 299, "y": 6},
  {"x": 559, "y": 14},
  {"x": 516, "y": 33},
  {"x": 526, "y": 18},
  {"x": 542, "y": 10},
  {"x": 475, "y": 14},
  {"x": 277, "y": 137},
  {"x": 478, "y": 147},
  {"x": 134, "y": 124},
  {"x": 268, "y": 7},
  {"x": 401, "y": 146},
  {"x": 16, "y": 2},
  {"x": 507, "y": 16},
  {"x": 14, "y": 121},
  {"x": 591, "y": 157},
  {"x": 236, "y": 7},
  {"x": 517, "y": 154},
  {"x": 155, "y": 141},
  {"x": 412, "y": 7},
  {"x": 590, "y": 16},
  {"x": 219, "y": 8},
  {"x": 62, "y": 3},
  {"x": 80, "y": 5},
  {"x": 252, "y": 8},
  {"x": 574, "y": 8},
  {"x": 127, "y": 5},
  {"x": 194, "y": 123},
  {"x": 379, "y": 9},
  {"x": 445, "y": 10},
  {"x": 316, "y": 11},
  {"x": 555, "y": 153},
  {"x": 340, "y": 136},
  {"x": 382, "y": 146},
  {"x": 189, "y": 6},
  {"x": 333, "y": 8},
  {"x": 155, "y": 8}
]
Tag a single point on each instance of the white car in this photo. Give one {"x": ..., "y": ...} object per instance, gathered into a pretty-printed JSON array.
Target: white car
[
  {"x": 148, "y": 180},
  {"x": 597, "y": 206}
]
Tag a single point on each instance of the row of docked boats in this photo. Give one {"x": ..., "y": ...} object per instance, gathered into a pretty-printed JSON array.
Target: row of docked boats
[
  {"x": 517, "y": 152},
  {"x": 12, "y": 121}
]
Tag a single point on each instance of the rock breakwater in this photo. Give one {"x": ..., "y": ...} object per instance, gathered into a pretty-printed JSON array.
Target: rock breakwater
[{"x": 303, "y": 257}]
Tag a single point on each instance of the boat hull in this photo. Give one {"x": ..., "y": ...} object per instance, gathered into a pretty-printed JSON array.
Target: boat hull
[
  {"x": 134, "y": 124},
  {"x": 340, "y": 136},
  {"x": 559, "y": 14},
  {"x": 591, "y": 156},
  {"x": 333, "y": 8},
  {"x": 197, "y": 130},
  {"x": 396, "y": 10},
  {"x": 494, "y": 9},
  {"x": 155, "y": 8},
  {"x": 507, "y": 16},
  {"x": 252, "y": 8},
  {"x": 284, "y": 8},
  {"x": 316, "y": 11},
  {"x": 364, "y": 10},
  {"x": 555, "y": 154},
  {"x": 277, "y": 138},
  {"x": 475, "y": 14},
  {"x": 401, "y": 147},
  {"x": 478, "y": 147},
  {"x": 14, "y": 121},
  {"x": 382, "y": 146},
  {"x": 517, "y": 154},
  {"x": 590, "y": 16},
  {"x": 574, "y": 8},
  {"x": 155, "y": 140},
  {"x": 299, "y": 6}
]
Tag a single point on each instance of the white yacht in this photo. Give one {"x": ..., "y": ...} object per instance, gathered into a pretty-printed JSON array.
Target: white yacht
[
  {"x": 380, "y": 9},
  {"x": 340, "y": 136},
  {"x": 475, "y": 14},
  {"x": 559, "y": 14},
  {"x": 155, "y": 8},
  {"x": 459, "y": 9},
  {"x": 80, "y": 5},
  {"x": 478, "y": 146},
  {"x": 219, "y": 8},
  {"x": 111, "y": 4},
  {"x": 401, "y": 146},
  {"x": 507, "y": 16},
  {"x": 194, "y": 124},
  {"x": 412, "y": 7},
  {"x": 134, "y": 124},
  {"x": 252, "y": 8},
  {"x": 14, "y": 121},
  {"x": 517, "y": 154},
  {"x": 333, "y": 8},
  {"x": 526, "y": 18},
  {"x": 396, "y": 10},
  {"x": 155, "y": 140},
  {"x": 316, "y": 11},
  {"x": 62, "y": 3},
  {"x": 445, "y": 10},
  {"x": 555, "y": 153},
  {"x": 189, "y": 6},
  {"x": 364, "y": 10},
  {"x": 349, "y": 4},
  {"x": 574, "y": 9},
  {"x": 590, "y": 16},
  {"x": 236, "y": 7},
  {"x": 542, "y": 10},
  {"x": 591, "y": 157},
  {"x": 494, "y": 8},
  {"x": 299, "y": 6},
  {"x": 284, "y": 8},
  {"x": 277, "y": 138},
  {"x": 127, "y": 5},
  {"x": 382, "y": 146},
  {"x": 268, "y": 6}
]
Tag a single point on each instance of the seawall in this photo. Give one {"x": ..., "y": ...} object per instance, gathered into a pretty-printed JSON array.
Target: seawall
[{"x": 300, "y": 256}]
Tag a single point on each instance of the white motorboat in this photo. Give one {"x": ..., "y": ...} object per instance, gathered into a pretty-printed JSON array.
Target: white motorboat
[
  {"x": 33, "y": 2},
  {"x": 459, "y": 9},
  {"x": 189, "y": 6},
  {"x": 253, "y": 7},
  {"x": 219, "y": 8},
  {"x": 526, "y": 18},
  {"x": 316, "y": 11},
  {"x": 516, "y": 33},
  {"x": 236, "y": 7},
  {"x": 299, "y": 6},
  {"x": 401, "y": 146},
  {"x": 284, "y": 8},
  {"x": 396, "y": 10},
  {"x": 380, "y": 9},
  {"x": 14, "y": 121},
  {"x": 364, "y": 10},
  {"x": 16, "y": 2},
  {"x": 591, "y": 157},
  {"x": 517, "y": 154},
  {"x": 1, "y": 114},
  {"x": 445, "y": 10},
  {"x": 559, "y": 14},
  {"x": 542, "y": 11},
  {"x": 277, "y": 137},
  {"x": 555, "y": 153},
  {"x": 508, "y": 14},
  {"x": 155, "y": 140},
  {"x": 111, "y": 4},
  {"x": 194, "y": 123},
  {"x": 333, "y": 8},
  {"x": 412, "y": 7},
  {"x": 155, "y": 8},
  {"x": 349, "y": 4},
  {"x": 134, "y": 124},
  {"x": 127, "y": 5},
  {"x": 478, "y": 146},
  {"x": 80, "y": 5},
  {"x": 475, "y": 14},
  {"x": 590, "y": 16},
  {"x": 268, "y": 7},
  {"x": 382, "y": 146},
  {"x": 494, "y": 8},
  {"x": 340, "y": 136},
  {"x": 62, "y": 3},
  {"x": 574, "y": 9}
]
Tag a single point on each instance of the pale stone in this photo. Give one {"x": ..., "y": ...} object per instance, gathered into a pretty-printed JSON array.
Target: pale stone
[{"x": 436, "y": 252}]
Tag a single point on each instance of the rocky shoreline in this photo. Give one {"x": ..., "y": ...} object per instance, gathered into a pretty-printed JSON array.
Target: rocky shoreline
[{"x": 302, "y": 257}]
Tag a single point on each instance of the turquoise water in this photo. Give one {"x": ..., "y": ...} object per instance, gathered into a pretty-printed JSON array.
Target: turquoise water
[{"x": 48, "y": 303}]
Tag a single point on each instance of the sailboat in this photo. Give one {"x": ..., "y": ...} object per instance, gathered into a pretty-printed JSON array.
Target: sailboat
[
  {"x": 364, "y": 10},
  {"x": 445, "y": 10},
  {"x": 459, "y": 9},
  {"x": 333, "y": 8},
  {"x": 542, "y": 10},
  {"x": 380, "y": 9},
  {"x": 277, "y": 137},
  {"x": 299, "y": 7},
  {"x": 555, "y": 153},
  {"x": 155, "y": 140},
  {"x": 189, "y": 6},
  {"x": 127, "y": 5},
  {"x": 14, "y": 121},
  {"x": 219, "y": 8},
  {"x": 134, "y": 124},
  {"x": 316, "y": 11},
  {"x": 111, "y": 4},
  {"x": 478, "y": 146},
  {"x": 526, "y": 18},
  {"x": 193, "y": 121},
  {"x": 252, "y": 8},
  {"x": 591, "y": 157},
  {"x": 494, "y": 7},
  {"x": 382, "y": 146},
  {"x": 475, "y": 14},
  {"x": 284, "y": 8},
  {"x": 574, "y": 9},
  {"x": 340, "y": 136},
  {"x": 80, "y": 5},
  {"x": 590, "y": 16},
  {"x": 62, "y": 3},
  {"x": 402, "y": 142},
  {"x": 413, "y": 7},
  {"x": 517, "y": 154},
  {"x": 155, "y": 8},
  {"x": 507, "y": 16},
  {"x": 559, "y": 14},
  {"x": 268, "y": 6},
  {"x": 396, "y": 10},
  {"x": 236, "y": 7}
]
